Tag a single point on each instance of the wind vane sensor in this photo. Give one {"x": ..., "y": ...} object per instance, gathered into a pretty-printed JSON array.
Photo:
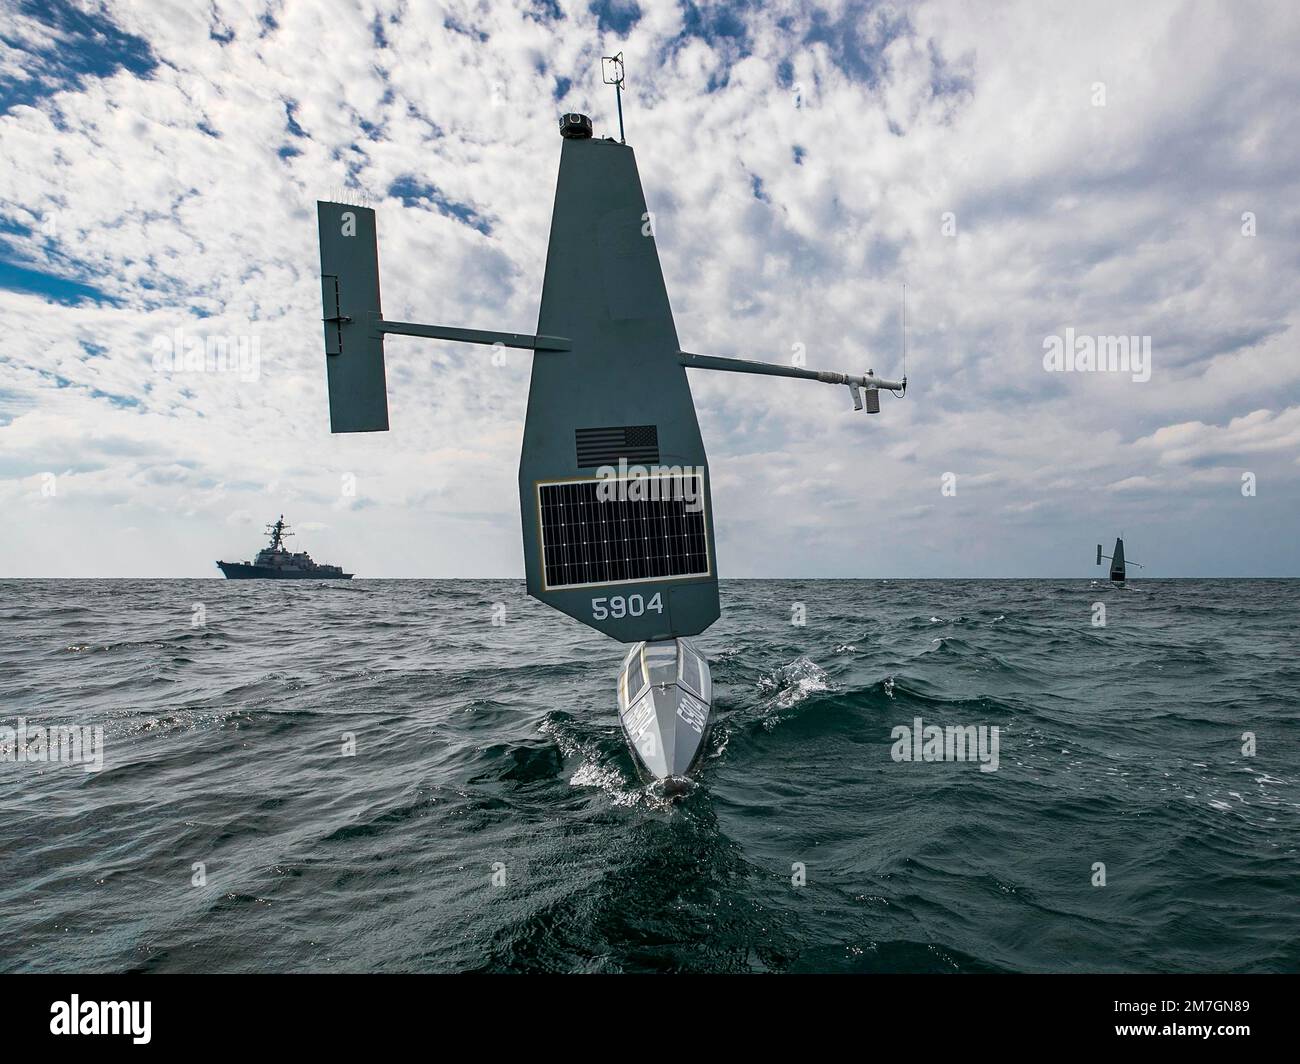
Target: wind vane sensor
[{"x": 614, "y": 485}]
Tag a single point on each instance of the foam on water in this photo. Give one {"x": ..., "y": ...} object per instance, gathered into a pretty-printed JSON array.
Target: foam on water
[
  {"x": 790, "y": 684},
  {"x": 477, "y": 745}
]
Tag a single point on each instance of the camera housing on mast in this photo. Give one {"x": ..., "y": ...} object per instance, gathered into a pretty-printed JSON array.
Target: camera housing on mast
[{"x": 575, "y": 126}]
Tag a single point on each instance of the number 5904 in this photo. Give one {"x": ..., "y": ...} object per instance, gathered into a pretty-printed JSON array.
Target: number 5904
[{"x": 632, "y": 606}]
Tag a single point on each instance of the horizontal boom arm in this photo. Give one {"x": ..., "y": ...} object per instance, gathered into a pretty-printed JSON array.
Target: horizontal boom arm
[
  {"x": 869, "y": 380},
  {"x": 477, "y": 336}
]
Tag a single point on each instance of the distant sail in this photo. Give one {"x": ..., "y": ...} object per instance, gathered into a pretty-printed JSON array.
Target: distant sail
[{"x": 1117, "y": 561}]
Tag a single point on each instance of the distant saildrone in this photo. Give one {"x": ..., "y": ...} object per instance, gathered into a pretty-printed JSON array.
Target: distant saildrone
[
  {"x": 614, "y": 483},
  {"x": 1116, "y": 559}
]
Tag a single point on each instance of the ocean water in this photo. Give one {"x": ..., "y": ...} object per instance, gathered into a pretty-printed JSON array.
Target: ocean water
[{"x": 491, "y": 818}]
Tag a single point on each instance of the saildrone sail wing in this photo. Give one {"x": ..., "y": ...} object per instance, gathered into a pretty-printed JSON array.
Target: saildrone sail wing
[
  {"x": 1117, "y": 561},
  {"x": 613, "y": 480},
  {"x": 354, "y": 345}
]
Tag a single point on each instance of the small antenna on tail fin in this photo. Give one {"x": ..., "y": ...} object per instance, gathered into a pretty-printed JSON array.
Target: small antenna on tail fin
[
  {"x": 904, "y": 330},
  {"x": 612, "y": 73}
]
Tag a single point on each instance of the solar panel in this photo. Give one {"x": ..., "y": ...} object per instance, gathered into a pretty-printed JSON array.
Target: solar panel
[{"x": 635, "y": 529}]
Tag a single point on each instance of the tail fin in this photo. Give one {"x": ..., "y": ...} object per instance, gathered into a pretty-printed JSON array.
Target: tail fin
[
  {"x": 1098, "y": 553},
  {"x": 354, "y": 345}
]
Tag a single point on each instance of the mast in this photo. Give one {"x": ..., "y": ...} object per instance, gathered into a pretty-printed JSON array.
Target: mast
[
  {"x": 612, "y": 74},
  {"x": 277, "y": 532}
]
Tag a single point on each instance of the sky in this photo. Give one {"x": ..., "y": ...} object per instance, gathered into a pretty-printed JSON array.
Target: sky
[{"x": 1038, "y": 175}]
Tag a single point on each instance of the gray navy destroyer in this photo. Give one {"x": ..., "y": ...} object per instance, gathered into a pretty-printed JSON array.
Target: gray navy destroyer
[{"x": 275, "y": 562}]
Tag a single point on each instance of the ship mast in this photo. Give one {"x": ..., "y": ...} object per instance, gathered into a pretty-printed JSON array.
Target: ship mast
[{"x": 277, "y": 533}]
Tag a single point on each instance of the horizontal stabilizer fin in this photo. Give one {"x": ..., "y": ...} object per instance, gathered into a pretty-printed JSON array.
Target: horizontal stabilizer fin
[{"x": 354, "y": 344}]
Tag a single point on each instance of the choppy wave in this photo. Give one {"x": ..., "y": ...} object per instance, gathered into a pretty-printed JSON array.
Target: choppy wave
[{"x": 375, "y": 776}]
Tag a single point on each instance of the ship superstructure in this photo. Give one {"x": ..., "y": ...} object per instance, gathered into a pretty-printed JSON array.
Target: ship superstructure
[{"x": 277, "y": 562}]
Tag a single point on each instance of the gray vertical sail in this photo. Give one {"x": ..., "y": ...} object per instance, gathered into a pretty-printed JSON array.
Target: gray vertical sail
[
  {"x": 1117, "y": 561},
  {"x": 638, "y": 561}
]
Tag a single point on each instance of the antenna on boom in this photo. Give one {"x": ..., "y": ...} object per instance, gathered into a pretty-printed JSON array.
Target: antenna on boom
[
  {"x": 611, "y": 67},
  {"x": 904, "y": 330}
]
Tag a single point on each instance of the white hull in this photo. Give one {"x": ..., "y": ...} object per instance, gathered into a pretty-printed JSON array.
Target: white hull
[{"x": 665, "y": 704}]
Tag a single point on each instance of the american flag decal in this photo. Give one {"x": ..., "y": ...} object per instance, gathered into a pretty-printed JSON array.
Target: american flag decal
[{"x": 639, "y": 444}]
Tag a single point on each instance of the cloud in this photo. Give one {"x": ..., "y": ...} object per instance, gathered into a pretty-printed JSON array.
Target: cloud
[
  {"x": 1260, "y": 433},
  {"x": 161, "y": 162}
]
